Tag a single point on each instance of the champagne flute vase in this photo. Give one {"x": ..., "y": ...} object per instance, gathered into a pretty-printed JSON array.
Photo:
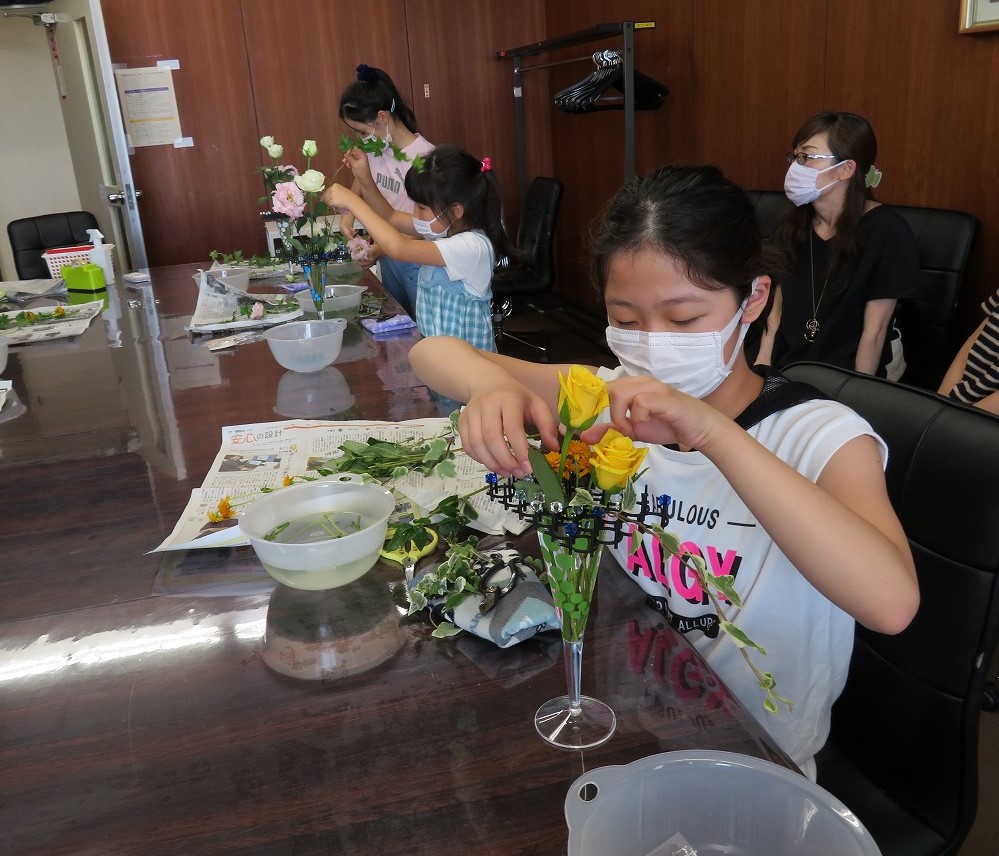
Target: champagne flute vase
[{"x": 572, "y": 721}]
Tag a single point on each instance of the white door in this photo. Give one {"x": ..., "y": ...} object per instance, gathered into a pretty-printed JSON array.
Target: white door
[{"x": 85, "y": 86}]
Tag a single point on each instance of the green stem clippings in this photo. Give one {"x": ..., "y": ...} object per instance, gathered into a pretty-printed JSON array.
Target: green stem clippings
[{"x": 454, "y": 580}]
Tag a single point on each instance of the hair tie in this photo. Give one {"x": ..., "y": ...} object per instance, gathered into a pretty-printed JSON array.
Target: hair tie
[
  {"x": 392, "y": 106},
  {"x": 487, "y": 164},
  {"x": 366, "y": 73},
  {"x": 873, "y": 177}
]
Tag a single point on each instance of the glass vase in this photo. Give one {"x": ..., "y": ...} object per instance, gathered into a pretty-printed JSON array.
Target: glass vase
[
  {"x": 315, "y": 271},
  {"x": 572, "y": 721}
]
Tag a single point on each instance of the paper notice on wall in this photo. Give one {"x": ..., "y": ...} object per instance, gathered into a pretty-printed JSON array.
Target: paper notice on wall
[{"x": 149, "y": 106}]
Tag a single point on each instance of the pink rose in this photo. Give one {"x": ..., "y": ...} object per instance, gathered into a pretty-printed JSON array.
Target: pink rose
[
  {"x": 257, "y": 312},
  {"x": 288, "y": 199},
  {"x": 358, "y": 247}
]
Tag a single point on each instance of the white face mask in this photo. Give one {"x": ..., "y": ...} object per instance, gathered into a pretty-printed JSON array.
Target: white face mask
[
  {"x": 423, "y": 228},
  {"x": 799, "y": 183},
  {"x": 693, "y": 363}
]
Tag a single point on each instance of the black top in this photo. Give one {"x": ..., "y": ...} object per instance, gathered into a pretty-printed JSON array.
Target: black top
[{"x": 887, "y": 267}]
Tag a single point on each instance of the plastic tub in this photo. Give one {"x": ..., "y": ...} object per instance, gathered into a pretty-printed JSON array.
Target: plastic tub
[
  {"x": 306, "y": 346},
  {"x": 326, "y": 562},
  {"x": 720, "y": 802}
]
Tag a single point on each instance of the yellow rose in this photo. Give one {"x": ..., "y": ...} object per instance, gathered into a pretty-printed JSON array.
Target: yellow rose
[
  {"x": 615, "y": 460},
  {"x": 581, "y": 398}
]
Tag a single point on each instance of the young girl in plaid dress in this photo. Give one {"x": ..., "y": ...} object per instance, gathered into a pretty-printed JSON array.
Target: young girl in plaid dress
[{"x": 457, "y": 212}]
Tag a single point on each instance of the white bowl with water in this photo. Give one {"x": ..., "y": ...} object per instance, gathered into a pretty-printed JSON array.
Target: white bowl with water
[{"x": 321, "y": 534}]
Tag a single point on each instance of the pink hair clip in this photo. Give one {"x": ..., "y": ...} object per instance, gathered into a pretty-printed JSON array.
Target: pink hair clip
[{"x": 487, "y": 164}]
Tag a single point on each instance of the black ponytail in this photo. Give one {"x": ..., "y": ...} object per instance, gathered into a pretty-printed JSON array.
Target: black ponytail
[
  {"x": 372, "y": 92},
  {"x": 450, "y": 176}
]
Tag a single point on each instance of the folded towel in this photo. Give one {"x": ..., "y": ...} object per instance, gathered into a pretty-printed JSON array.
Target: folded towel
[
  {"x": 295, "y": 287},
  {"x": 396, "y": 322}
]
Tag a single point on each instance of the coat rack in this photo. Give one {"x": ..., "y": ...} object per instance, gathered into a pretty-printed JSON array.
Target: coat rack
[{"x": 599, "y": 32}]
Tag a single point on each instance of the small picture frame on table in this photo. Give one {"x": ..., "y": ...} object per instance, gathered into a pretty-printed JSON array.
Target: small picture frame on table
[{"x": 979, "y": 16}]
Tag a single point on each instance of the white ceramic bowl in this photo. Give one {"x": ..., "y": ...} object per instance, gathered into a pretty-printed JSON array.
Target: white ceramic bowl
[
  {"x": 327, "y": 562},
  {"x": 306, "y": 346},
  {"x": 3, "y": 353}
]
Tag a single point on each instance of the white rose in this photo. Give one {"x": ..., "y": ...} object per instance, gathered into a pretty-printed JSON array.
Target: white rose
[
  {"x": 309, "y": 148},
  {"x": 267, "y": 142},
  {"x": 275, "y": 151},
  {"x": 310, "y": 181}
]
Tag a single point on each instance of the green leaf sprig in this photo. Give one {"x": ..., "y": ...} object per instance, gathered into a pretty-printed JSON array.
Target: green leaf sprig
[
  {"x": 382, "y": 459},
  {"x": 375, "y": 146},
  {"x": 454, "y": 580},
  {"x": 711, "y": 585}
]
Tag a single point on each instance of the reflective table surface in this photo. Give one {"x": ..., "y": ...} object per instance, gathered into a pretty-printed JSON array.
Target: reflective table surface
[{"x": 154, "y": 703}]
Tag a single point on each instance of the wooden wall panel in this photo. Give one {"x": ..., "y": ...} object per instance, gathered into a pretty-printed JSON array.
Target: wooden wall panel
[
  {"x": 758, "y": 72},
  {"x": 471, "y": 92},
  {"x": 297, "y": 82},
  {"x": 743, "y": 76},
  {"x": 267, "y": 78},
  {"x": 588, "y": 149},
  {"x": 932, "y": 95},
  {"x": 188, "y": 192}
]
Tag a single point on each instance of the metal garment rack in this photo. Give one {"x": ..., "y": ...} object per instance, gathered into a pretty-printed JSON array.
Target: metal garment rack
[{"x": 599, "y": 32}]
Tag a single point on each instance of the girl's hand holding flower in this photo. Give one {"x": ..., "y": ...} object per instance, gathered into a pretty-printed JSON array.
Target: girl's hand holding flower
[
  {"x": 650, "y": 411},
  {"x": 493, "y": 431},
  {"x": 357, "y": 163},
  {"x": 339, "y": 197}
]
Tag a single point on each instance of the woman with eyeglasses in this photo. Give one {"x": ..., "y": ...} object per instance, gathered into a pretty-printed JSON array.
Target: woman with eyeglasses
[
  {"x": 374, "y": 110},
  {"x": 849, "y": 260}
]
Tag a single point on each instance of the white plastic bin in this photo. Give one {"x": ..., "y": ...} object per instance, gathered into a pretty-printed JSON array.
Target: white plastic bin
[{"x": 720, "y": 802}]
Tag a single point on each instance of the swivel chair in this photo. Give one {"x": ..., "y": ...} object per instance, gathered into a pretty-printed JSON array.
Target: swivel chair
[
  {"x": 945, "y": 239},
  {"x": 903, "y": 747},
  {"x": 32, "y": 236},
  {"x": 531, "y": 272}
]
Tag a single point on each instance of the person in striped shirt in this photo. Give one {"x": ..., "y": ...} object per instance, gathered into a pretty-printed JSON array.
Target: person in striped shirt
[{"x": 973, "y": 376}]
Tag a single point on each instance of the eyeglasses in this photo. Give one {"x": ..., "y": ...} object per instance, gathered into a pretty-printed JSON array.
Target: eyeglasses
[{"x": 800, "y": 157}]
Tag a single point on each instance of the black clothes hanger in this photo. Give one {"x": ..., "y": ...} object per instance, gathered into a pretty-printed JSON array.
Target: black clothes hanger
[{"x": 590, "y": 94}]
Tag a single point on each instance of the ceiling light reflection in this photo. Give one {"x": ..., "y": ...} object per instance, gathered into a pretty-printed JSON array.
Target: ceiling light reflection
[{"x": 44, "y": 656}]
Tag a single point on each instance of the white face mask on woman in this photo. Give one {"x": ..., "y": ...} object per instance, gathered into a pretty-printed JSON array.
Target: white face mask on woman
[
  {"x": 799, "y": 183},
  {"x": 693, "y": 363},
  {"x": 423, "y": 228}
]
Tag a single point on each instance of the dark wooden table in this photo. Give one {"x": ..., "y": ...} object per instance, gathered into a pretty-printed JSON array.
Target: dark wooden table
[{"x": 268, "y": 720}]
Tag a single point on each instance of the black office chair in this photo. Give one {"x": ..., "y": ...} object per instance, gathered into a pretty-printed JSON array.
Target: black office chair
[
  {"x": 531, "y": 272},
  {"x": 944, "y": 238},
  {"x": 903, "y": 750},
  {"x": 32, "y": 236},
  {"x": 770, "y": 206}
]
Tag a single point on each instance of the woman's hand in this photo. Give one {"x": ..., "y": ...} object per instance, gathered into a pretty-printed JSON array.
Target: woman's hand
[{"x": 493, "y": 431}]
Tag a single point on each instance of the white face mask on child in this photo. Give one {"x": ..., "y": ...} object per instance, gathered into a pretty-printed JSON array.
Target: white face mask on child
[
  {"x": 423, "y": 229},
  {"x": 692, "y": 363}
]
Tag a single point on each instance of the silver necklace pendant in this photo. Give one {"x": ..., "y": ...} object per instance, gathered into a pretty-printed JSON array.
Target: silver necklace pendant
[{"x": 811, "y": 329}]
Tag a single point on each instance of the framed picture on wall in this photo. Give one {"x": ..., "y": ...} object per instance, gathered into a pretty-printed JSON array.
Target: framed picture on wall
[{"x": 979, "y": 16}]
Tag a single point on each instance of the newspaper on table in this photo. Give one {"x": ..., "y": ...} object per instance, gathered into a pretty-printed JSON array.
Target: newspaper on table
[
  {"x": 72, "y": 321},
  {"x": 264, "y": 455}
]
